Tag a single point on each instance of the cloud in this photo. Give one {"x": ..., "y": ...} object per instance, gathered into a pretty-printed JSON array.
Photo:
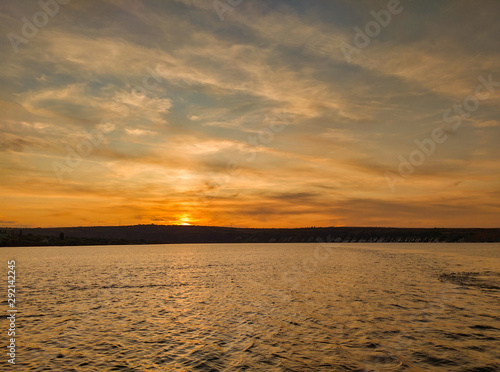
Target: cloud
[
  {"x": 488, "y": 123},
  {"x": 184, "y": 101},
  {"x": 139, "y": 132}
]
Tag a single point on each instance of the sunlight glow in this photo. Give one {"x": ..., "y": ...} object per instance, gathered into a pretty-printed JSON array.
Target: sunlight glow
[{"x": 184, "y": 220}]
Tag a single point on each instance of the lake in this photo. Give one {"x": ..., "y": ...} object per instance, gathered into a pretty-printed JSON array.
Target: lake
[{"x": 256, "y": 307}]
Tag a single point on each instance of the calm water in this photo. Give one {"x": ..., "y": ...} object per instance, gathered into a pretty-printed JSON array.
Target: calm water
[{"x": 260, "y": 307}]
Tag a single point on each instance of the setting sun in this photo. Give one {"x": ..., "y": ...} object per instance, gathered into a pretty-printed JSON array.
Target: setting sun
[{"x": 184, "y": 220}]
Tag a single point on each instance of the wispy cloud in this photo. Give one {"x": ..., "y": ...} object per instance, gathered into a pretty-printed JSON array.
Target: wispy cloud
[{"x": 179, "y": 94}]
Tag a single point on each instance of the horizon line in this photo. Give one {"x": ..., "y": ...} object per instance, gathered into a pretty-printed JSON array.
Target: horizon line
[{"x": 236, "y": 227}]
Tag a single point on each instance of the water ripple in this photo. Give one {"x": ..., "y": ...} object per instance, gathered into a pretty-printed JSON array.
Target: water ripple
[{"x": 258, "y": 308}]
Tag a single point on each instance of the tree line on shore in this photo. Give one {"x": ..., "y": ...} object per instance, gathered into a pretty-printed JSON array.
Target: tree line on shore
[{"x": 160, "y": 234}]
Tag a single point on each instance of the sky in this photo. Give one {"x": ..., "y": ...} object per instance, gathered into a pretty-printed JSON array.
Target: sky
[{"x": 250, "y": 113}]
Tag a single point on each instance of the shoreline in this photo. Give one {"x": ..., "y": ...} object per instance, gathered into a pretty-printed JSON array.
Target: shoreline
[{"x": 175, "y": 234}]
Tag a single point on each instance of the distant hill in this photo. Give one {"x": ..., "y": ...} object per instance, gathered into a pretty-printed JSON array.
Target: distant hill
[{"x": 159, "y": 234}]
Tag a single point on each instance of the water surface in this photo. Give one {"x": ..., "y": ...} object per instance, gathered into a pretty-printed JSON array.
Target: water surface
[{"x": 257, "y": 307}]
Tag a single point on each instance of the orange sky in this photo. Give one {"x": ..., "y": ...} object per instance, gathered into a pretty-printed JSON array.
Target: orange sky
[{"x": 171, "y": 112}]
